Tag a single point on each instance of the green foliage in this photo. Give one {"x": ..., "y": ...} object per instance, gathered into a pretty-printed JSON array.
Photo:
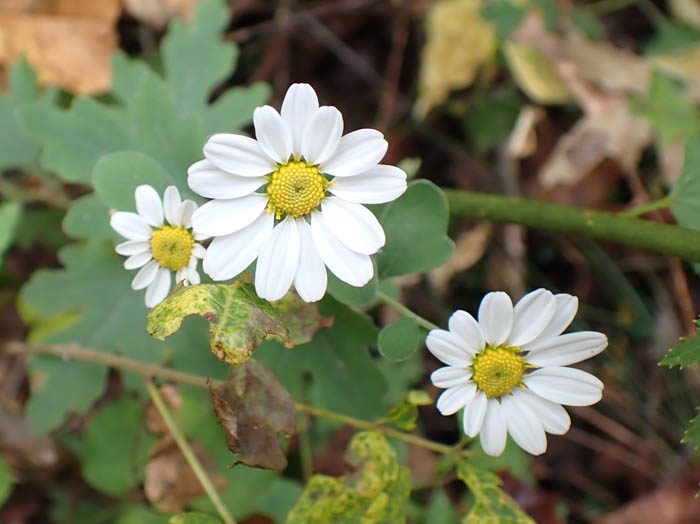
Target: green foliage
[
  {"x": 684, "y": 354},
  {"x": 375, "y": 490},
  {"x": 345, "y": 378},
  {"x": 351, "y": 295},
  {"x": 193, "y": 518},
  {"x": 669, "y": 109},
  {"x": 440, "y": 509},
  {"x": 404, "y": 415},
  {"x": 17, "y": 148},
  {"x": 239, "y": 320},
  {"x": 491, "y": 505},
  {"x": 6, "y": 481},
  {"x": 88, "y": 218},
  {"x": 685, "y": 196},
  {"x": 491, "y": 117},
  {"x": 416, "y": 231},
  {"x": 671, "y": 37},
  {"x": 587, "y": 23},
  {"x": 504, "y": 15},
  {"x": 116, "y": 447},
  {"x": 398, "y": 340},
  {"x": 10, "y": 213},
  {"x": 692, "y": 434}
]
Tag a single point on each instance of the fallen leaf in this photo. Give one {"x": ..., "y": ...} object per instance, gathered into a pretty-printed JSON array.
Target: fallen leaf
[
  {"x": 458, "y": 42},
  {"x": 154, "y": 422},
  {"x": 522, "y": 141},
  {"x": 687, "y": 11},
  {"x": 157, "y": 13},
  {"x": 253, "y": 407},
  {"x": 169, "y": 481}
]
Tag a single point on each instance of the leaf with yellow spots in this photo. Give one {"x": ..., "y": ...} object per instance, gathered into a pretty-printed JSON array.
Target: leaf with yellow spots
[
  {"x": 375, "y": 489},
  {"x": 238, "y": 319}
]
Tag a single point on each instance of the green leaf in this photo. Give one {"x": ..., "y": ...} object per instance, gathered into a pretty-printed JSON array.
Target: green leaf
[
  {"x": 491, "y": 505},
  {"x": 126, "y": 75},
  {"x": 672, "y": 113},
  {"x": 375, "y": 491},
  {"x": 440, "y": 509},
  {"x": 491, "y": 117},
  {"x": 234, "y": 109},
  {"x": 193, "y": 518},
  {"x": 345, "y": 378},
  {"x": 398, "y": 340},
  {"x": 116, "y": 446},
  {"x": 504, "y": 15},
  {"x": 88, "y": 218},
  {"x": 238, "y": 319},
  {"x": 10, "y": 213},
  {"x": 415, "y": 227},
  {"x": 191, "y": 77},
  {"x": 6, "y": 481},
  {"x": 137, "y": 515},
  {"x": 685, "y": 196},
  {"x": 671, "y": 37},
  {"x": 351, "y": 295},
  {"x": 117, "y": 175},
  {"x": 692, "y": 434},
  {"x": 587, "y": 23},
  {"x": 684, "y": 354},
  {"x": 404, "y": 415}
]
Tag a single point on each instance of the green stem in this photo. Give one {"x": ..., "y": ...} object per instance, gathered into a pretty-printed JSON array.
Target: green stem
[
  {"x": 152, "y": 370},
  {"x": 189, "y": 455},
  {"x": 643, "y": 209},
  {"x": 398, "y": 306},
  {"x": 642, "y": 234}
]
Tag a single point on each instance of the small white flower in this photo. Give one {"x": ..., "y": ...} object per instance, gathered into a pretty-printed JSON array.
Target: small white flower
[
  {"x": 507, "y": 371},
  {"x": 160, "y": 241},
  {"x": 293, "y": 198}
]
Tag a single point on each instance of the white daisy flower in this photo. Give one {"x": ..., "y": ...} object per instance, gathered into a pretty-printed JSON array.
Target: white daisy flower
[
  {"x": 160, "y": 241},
  {"x": 507, "y": 371},
  {"x": 293, "y": 198}
]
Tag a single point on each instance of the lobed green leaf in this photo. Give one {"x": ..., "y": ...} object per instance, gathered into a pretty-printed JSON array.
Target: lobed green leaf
[
  {"x": 398, "y": 340},
  {"x": 684, "y": 354}
]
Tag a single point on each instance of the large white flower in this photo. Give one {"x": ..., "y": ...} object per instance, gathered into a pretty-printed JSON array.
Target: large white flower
[
  {"x": 507, "y": 371},
  {"x": 160, "y": 241},
  {"x": 293, "y": 198}
]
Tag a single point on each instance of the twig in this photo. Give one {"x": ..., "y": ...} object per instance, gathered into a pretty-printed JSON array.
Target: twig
[{"x": 189, "y": 454}]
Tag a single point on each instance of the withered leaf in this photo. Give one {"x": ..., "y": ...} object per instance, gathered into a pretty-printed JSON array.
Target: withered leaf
[
  {"x": 253, "y": 407},
  {"x": 302, "y": 319}
]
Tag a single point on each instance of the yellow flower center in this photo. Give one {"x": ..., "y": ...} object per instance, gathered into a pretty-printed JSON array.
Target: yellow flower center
[
  {"x": 172, "y": 246},
  {"x": 496, "y": 371},
  {"x": 295, "y": 189}
]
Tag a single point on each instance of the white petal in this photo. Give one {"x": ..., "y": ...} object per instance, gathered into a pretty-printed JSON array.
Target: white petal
[
  {"x": 523, "y": 425},
  {"x": 228, "y": 255},
  {"x": 453, "y": 399},
  {"x": 568, "y": 386},
  {"x": 567, "y": 306},
  {"x": 205, "y": 179},
  {"x": 494, "y": 432},
  {"x": 379, "y": 184},
  {"x": 353, "y": 268},
  {"x": 448, "y": 348},
  {"x": 496, "y": 317},
  {"x": 131, "y": 226},
  {"x": 180, "y": 275},
  {"x": 221, "y": 217},
  {"x": 299, "y": 105},
  {"x": 552, "y": 416},
  {"x": 158, "y": 289},
  {"x": 467, "y": 328},
  {"x": 474, "y": 414},
  {"x": 198, "y": 251},
  {"x": 171, "y": 203},
  {"x": 322, "y": 135},
  {"x": 531, "y": 315},
  {"x": 566, "y": 349},
  {"x": 148, "y": 205},
  {"x": 146, "y": 275},
  {"x": 354, "y": 225},
  {"x": 137, "y": 260},
  {"x": 450, "y": 376},
  {"x": 357, "y": 152},
  {"x": 132, "y": 247},
  {"x": 192, "y": 276},
  {"x": 184, "y": 213},
  {"x": 278, "y": 261},
  {"x": 273, "y": 134},
  {"x": 238, "y": 154},
  {"x": 311, "y": 279}
]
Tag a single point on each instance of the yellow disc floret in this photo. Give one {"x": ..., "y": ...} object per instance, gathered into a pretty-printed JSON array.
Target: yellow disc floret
[
  {"x": 172, "y": 246},
  {"x": 295, "y": 189},
  {"x": 496, "y": 371}
]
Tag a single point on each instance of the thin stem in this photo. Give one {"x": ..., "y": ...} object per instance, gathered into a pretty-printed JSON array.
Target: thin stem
[
  {"x": 189, "y": 455},
  {"x": 643, "y": 209},
  {"x": 151, "y": 370},
  {"x": 610, "y": 227},
  {"x": 406, "y": 312},
  {"x": 607, "y": 6}
]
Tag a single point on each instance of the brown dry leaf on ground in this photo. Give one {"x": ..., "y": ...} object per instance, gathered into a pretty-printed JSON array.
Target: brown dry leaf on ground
[
  {"x": 68, "y": 42},
  {"x": 157, "y": 13}
]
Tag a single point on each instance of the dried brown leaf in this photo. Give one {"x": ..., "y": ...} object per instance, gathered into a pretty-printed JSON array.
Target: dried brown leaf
[
  {"x": 253, "y": 407},
  {"x": 157, "y": 13},
  {"x": 302, "y": 319}
]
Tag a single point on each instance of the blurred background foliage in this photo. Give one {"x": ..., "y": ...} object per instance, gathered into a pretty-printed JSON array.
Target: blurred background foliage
[{"x": 590, "y": 103}]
